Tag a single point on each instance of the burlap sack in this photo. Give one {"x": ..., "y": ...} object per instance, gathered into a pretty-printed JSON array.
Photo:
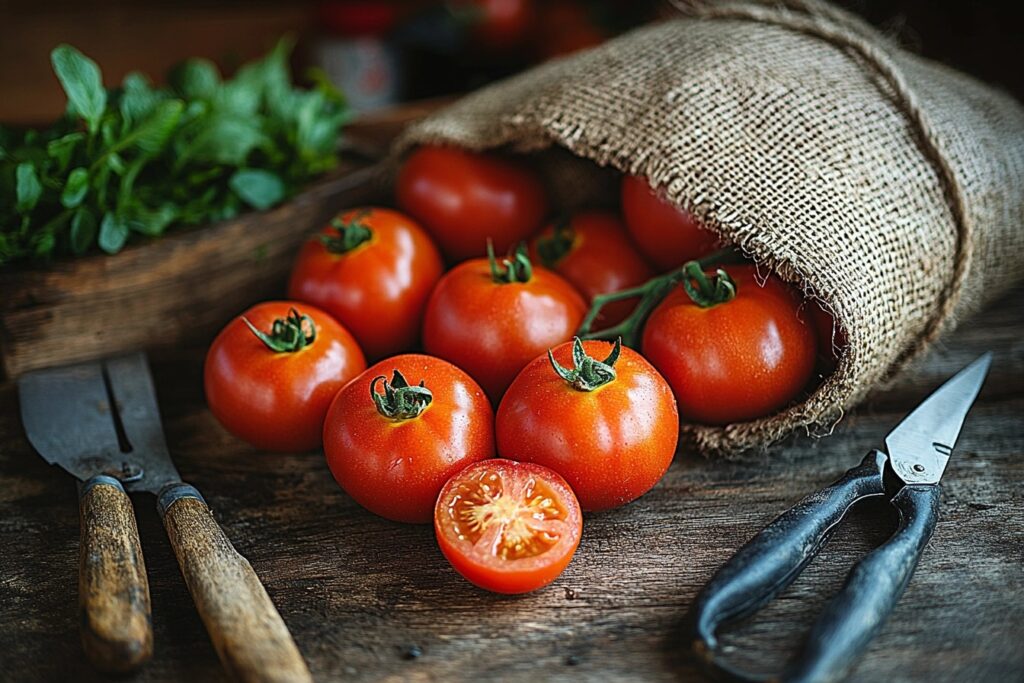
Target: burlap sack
[{"x": 888, "y": 186}]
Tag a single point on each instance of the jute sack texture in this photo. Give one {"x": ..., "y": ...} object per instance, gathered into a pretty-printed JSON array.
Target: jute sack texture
[{"x": 887, "y": 186}]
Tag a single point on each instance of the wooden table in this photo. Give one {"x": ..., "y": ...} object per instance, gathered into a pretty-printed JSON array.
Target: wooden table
[{"x": 368, "y": 599}]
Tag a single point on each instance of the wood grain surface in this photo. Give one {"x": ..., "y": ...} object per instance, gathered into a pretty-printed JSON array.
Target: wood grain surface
[
  {"x": 253, "y": 643},
  {"x": 371, "y": 600},
  {"x": 113, "y": 591}
]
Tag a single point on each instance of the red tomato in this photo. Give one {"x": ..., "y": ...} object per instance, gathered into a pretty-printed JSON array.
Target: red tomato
[
  {"x": 499, "y": 25},
  {"x": 734, "y": 361},
  {"x": 595, "y": 255},
  {"x": 373, "y": 270},
  {"x": 492, "y": 328},
  {"x": 610, "y": 428},
  {"x": 392, "y": 446},
  {"x": 566, "y": 27},
  {"x": 668, "y": 236},
  {"x": 506, "y": 526},
  {"x": 464, "y": 198},
  {"x": 276, "y": 399}
]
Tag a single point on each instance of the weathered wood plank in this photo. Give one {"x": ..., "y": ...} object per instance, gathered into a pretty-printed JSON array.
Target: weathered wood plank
[
  {"x": 358, "y": 592},
  {"x": 174, "y": 290},
  {"x": 180, "y": 288}
]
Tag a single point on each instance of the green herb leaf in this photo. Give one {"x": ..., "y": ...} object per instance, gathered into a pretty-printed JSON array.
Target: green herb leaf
[
  {"x": 80, "y": 77},
  {"x": 143, "y": 158},
  {"x": 44, "y": 243},
  {"x": 76, "y": 188},
  {"x": 311, "y": 131},
  {"x": 322, "y": 83},
  {"x": 110, "y": 131},
  {"x": 113, "y": 233},
  {"x": 28, "y": 188},
  {"x": 153, "y": 133},
  {"x": 226, "y": 140},
  {"x": 257, "y": 188},
  {"x": 269, "y": 76},
  {"x": 83, "y": 230},
  {"x": 116, "y": 163},
  {"x": 153, "y": 222},
  {"x": 238, "y": 99},
  {"x": 61, "y": 149},
  {"x": 195, "y": 79},
  {"x": 138, "y": 98}
]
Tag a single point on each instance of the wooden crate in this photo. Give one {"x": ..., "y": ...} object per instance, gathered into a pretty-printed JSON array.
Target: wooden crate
[{"x": 182, "y": 287}]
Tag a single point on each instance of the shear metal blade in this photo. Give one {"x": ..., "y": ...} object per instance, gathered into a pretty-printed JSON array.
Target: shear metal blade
[
  {"x": 67, "y": 414},
  {"x": 99, "y": 418},
  {"x": 135, "y": 396},
  {"x": 920, "y": 446}
]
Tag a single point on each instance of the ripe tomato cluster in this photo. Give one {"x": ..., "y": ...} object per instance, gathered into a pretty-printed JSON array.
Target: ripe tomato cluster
[{"x": 507, "y": 426}]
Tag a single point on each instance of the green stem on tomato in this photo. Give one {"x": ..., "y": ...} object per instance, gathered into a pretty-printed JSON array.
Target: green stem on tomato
[
  {"x": 287, "y": 335},
  {"x": 350, "y": 235},
  {"x": 651, "y": 294},
  {"x": 400, "y": 401},
  {"x": 514, "y": 268},
  {"x": 707, "y": 291},
  {"x": 587, "y": 373},
  {"x": 553, "y": 248}
]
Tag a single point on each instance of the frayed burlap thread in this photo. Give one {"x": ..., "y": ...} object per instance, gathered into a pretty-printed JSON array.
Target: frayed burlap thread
[{"x": 889, "y": 187}]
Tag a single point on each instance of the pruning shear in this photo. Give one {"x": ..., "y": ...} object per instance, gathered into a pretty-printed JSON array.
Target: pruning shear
[{"x": 908, "y": 476}]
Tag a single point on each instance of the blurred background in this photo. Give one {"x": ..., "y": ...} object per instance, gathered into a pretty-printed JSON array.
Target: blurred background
[{"x": 382, "y": 53}]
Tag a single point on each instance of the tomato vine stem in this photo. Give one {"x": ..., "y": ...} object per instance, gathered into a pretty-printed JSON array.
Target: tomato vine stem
[{"x": 710, "y": 290}]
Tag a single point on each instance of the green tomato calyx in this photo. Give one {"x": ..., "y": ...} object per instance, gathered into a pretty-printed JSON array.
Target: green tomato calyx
[
  {"x": 554, "y": 247},
  {"x": 400, "y": 401},
  {"x": 587, "y": 373},
  {"x": 351, "y": 233},
  {"x": 287, "y": 335},
  {"x": 514, "y": 268},
  {"x": 707, "y": 290}
]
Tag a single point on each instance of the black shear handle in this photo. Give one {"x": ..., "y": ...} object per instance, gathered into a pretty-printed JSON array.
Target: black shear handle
[
  {"x": 872, "y": 589},
  {"x": 771, "y": 561}
]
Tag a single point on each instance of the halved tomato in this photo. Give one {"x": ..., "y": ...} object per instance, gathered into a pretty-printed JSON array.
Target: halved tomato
[{"x": 506, "y": 526}]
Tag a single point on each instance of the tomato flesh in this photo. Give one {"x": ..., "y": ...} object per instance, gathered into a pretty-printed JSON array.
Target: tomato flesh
[{"x": 506, "y": 526}]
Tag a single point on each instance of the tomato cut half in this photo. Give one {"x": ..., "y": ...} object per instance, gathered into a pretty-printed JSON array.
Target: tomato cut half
[{"x": 506, "y": 526}]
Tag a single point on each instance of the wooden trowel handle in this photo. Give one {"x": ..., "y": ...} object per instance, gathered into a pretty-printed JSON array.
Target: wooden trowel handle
[
  {"x": 248, "y": 633},
  {"x": 113, "y": 592}
]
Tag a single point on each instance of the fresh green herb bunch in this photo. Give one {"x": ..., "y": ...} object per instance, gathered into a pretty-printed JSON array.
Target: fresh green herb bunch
[{"x": 139, "y": 159}]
